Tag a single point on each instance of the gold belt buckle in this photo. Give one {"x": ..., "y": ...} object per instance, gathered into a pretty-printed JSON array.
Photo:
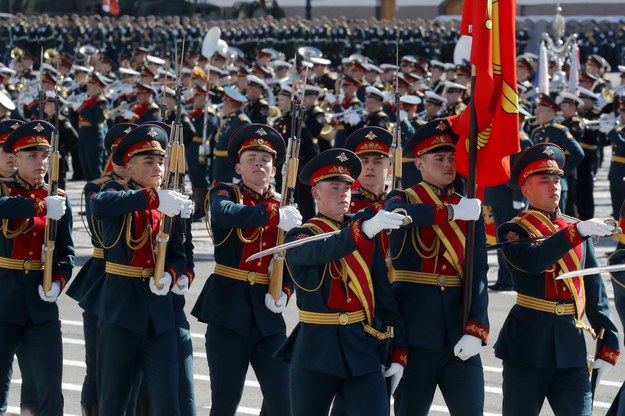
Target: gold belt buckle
[
  {"x": 28, "y": 265},
  {"x": 560, "y": 309},
  {"x": 442, "y": 281},
  {"x": 343, "y": 319},
  {"x": 251, "y": 277},
  {"x": 145, "y": 273}
]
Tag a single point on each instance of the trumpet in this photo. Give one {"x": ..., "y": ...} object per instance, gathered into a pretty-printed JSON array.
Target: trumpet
[
  {"x": 605, "y": 123},
  {"x": 332, "y": 116}
]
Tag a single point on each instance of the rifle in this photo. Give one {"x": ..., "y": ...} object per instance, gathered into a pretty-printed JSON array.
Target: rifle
[
  {"x": 289, "y": 180},
  {"x": 396, "y": 149},
  {"x": 396, "y": 153},
  {"x": 174, "y": 175},
  {"x": 42, "y": 94},
  {"x": 53, "y": 190}
]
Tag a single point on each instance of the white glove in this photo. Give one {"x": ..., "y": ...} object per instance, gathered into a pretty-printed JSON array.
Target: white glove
[
  {"x": 395, "y": 372},
  {"x": 52, "y": 294},
  {"x": 127, "y": 114},
  {"x": 289, "y": 218},
  {"x": 330, "y": 98},
  {"x": 352, "y": 118},
  {"x": 467, "y": 347},
  {"x": 383, "y": 220},
  {"x": 187, "y": 209},
  {"x": 403, "y": 114},
  {"x": 55, "y": 207},
  {"x": 602, "y": 367},
  {"x": 518, "y": 205},
  {"x": 467, "y": 209},
  {"x": 594, "y": 227},
  {"x": 182, "y": 285},
  {"x": 387, "y": 97},
  {"x": 273, "y": 306},
  {"x": 165, "y": 281},
  {"x": 606, "y": 123},
  {"x": 170, "y": 203}
]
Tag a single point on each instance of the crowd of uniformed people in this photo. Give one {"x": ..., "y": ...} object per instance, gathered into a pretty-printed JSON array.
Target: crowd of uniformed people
[{"x": 383, "y": 289}]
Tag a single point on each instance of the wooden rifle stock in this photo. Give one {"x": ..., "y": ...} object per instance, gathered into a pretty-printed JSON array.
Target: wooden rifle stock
[
  {"x": 289, "y": 180},
  {"x": 174, "y": 175},
  {"x": 53, "y": 190},
  {"x": 397, "y": 154}
]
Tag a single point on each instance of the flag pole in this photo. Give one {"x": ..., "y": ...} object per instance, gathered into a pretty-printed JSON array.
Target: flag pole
[{"x": 471, "y": 193}]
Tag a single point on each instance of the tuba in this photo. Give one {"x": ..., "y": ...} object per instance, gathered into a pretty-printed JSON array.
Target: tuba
[
  {"x": 50, "y": 55},
  {"x": 88, "y": 51},
  {"x": 16, "y": 53}
]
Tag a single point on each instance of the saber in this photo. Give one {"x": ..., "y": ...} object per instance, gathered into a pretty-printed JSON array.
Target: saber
[
  {"x": 291, "y": 244},
  {"x": 506, "y": 244},
  {"x": 592, "y": 270},
  {"x": 296, "y": 243}
]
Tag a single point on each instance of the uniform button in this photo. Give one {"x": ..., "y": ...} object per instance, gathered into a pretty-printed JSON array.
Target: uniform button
[
  {"x": 444, "y": 267},
  {"x": 264, "y": 244},
  {"x": 564, "y": 288},
  {"x": 32, "y": 195},
  {"x": 149, "y": 261},
  {"x": 34, "y": 234},
  {"x": 30, "y": 253}
]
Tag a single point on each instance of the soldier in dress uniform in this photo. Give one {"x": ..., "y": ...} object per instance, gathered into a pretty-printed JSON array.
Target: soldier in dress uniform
[
  {"x": 547, "y": 130},
  {"x": 85, "y": 287},
  {"x": 344, "y": 300},
  {"x": 616, "y": 174},
  {"x": 345, "y": 125},
  {"x": 437, "y": 69},
  {"x": 373, "y": 147},
  {"x": 199, "y": 157},
  {"x": 428, "y": 258},
  {"x": 373, "y": 103},
  {"x": 598, "y": 66},
  {"x": 454, "y": 94},
  {"x": 29, "y": 316},
  {"x": 257, "y": 108},
  {"x": 245, "y": 323},
  {"x": 314, "y": 116},
  {"x": 68, "y": 136},
  {"x": 233, "y": 117},
  {"x": 433, "y": 104},
  {"x": 569, "y": 104},
  {"x": 28, "y": 394},
  {"x": 542, "y": 340},
  {"x": 408, "y": 105},
  {"x": 92, "y": 116},
  {"x": 302, "y": 194},
  {"x": 524, "y": 69},
  {"x": 145, "y": 109},
  {"x": 144, "y": 324},
  {"x": 592, "y": 142}
]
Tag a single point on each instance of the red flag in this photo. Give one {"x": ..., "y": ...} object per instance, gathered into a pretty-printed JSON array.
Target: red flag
[
  {"x": 111, "y": 7},
  {"x": 491, "y": 23}
]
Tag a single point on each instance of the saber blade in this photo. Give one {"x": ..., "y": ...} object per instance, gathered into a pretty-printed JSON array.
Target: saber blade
[
  {"x": 291, "y": 244},
  {"x": 592, "y": 270}
]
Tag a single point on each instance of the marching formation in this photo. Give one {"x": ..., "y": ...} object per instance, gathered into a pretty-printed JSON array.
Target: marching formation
[{"x": 378, "y": 272}]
